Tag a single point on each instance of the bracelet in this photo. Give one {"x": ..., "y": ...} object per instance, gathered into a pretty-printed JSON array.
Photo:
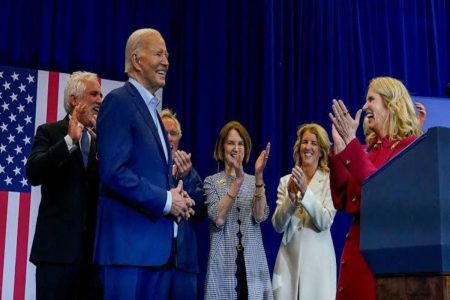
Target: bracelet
[
  {"x": 260, "y": 185},
  {"x": 231, "y": 197},
  {"x": 259, "y": 196}
]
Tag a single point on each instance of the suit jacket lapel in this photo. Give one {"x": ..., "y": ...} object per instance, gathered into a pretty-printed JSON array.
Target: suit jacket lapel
[{"x": 143, "y": 110}]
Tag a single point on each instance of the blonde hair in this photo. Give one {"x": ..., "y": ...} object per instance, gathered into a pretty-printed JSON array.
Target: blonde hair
[
  {"x": 323, "y": 142},
  {"x": 135, "y": 43},
  {"x": 221, "y": 139},
  {"x": 402, "y": 117},
  {"x": 368, "y": 133},
  {"x": 167, "y": 113},
  {"x": 76, "y": 86}
]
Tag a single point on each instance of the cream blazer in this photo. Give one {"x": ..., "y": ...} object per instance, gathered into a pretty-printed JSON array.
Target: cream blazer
[{"x": 305, "y": 267}]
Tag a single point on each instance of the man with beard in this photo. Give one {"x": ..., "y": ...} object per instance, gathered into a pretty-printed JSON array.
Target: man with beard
[{"x": 63, "y": 161}]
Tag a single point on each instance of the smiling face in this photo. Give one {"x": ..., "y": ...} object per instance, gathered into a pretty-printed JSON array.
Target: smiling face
[
  {"x": 151, "y": 62},
  {"x": 377, "y": 113},
  {"x": 234, "y": 145},
  {"x": 91, "y": 97},
  {"x": 309, "y": 150}
]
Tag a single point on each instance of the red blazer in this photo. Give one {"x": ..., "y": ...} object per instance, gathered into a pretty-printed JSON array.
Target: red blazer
[{"x": 348, "y": 170}]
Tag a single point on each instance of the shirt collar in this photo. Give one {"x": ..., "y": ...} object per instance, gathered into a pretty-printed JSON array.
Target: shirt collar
[{"x": 149, "y": 99}]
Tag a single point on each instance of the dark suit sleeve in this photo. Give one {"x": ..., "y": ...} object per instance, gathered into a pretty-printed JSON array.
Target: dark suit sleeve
[
  {"x": 49, "y": 152},
  {"x": 193, "y": 185}
]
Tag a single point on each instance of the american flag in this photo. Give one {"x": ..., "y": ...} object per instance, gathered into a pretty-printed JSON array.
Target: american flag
[{"x": 28, "y": 98}]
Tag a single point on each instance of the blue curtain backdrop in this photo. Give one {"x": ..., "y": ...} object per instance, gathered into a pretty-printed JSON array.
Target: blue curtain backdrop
[{"x": 270, "y": 64}]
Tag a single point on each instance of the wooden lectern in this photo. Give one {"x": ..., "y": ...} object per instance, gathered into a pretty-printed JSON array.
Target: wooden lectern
[{"x": 405, "y": 221}]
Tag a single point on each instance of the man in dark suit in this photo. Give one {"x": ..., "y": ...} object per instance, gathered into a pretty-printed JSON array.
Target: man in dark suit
[
  {"x": 186, "y": 266},
  {"x": 138, "y": 205},
  {"x": 63, "y": 161}
]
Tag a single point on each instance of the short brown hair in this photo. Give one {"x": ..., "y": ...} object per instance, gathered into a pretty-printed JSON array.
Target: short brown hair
[{"x": 221, "y": 139}]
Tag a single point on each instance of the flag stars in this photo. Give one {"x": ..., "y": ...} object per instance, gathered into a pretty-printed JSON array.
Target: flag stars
[
  {"x": 21, "y": 108},
  {"x": 16, "y": 171},
  {"x": 30, "y": 78},
  {"x": 12, "y": 117},
  {"x": 4, "y": 127},
  {"x": 10, "y": 159},
  {"x": 2, "y": 169},
  {"x": 26, "y": 140},
  {"x": 13, "y": 97},
  {"x": 10, "y": 138},
  {"x": 27, "y": 119},
  {"x": 5, "y": 106},
  {"x": 1, "y": 74},
  {"x": 24, "y": 160},
  {"x": 24, "y": 182},
  {"x": 8, "y": 180},
  {"x": 18, "y": 150},
  {"x": 29, "y": 99},
  {"x": 22, "y": 88},
  {"x": 19, "y": 129},
  {"x": 6, "y": 85},
  {"x": 15, "y": 76},
  {"x": 2, "y": 148}
]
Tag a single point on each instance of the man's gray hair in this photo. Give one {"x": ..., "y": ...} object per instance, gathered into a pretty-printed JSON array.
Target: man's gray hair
[
  {"x": 76, "y": 86},
  {"x": 135, "y": 43}
]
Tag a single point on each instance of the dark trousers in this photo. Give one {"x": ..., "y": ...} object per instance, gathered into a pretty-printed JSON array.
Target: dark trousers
[
  {"x": 138, "y": 283},
  {"x": 64, "y": 281},
  {"x": 141, "y": 282},
  {"x": 183, "y": 286}
]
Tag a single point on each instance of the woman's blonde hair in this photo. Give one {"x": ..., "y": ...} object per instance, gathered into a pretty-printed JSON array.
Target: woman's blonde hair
[
  {"x": 402, "y": 116},
  {"x": 322, "y": 140}
]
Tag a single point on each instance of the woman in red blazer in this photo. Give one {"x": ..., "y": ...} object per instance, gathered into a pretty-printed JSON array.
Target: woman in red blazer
[{"x": 392, "y": 125}]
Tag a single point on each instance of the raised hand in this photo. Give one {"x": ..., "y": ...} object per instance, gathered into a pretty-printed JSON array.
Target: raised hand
[
  {"x": 75, "y": 129},
  {"x": 297, "y": 183},
  {"x": 236, "y": 162},
  {"x": 183, "y": 164},
  {"x": 421, "y": 113},
  {"x": 345, "y": 125},
  {"x": 338, "y": 142},
  {"x": 261, "y": 161}
]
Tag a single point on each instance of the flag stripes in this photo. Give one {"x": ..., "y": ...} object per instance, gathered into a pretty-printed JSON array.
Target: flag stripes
[{"x": 18, "y": 210}]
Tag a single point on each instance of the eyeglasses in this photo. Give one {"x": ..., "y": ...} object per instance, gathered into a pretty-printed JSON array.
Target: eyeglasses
[{"x": 173, "y": 132}]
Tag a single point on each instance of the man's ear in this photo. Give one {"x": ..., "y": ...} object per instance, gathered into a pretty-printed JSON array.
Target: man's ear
[
  {"x": 136, "y": 61},
  {"x": 73, "y": 101}
]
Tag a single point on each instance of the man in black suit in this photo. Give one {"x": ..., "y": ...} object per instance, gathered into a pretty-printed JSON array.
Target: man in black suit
[{"x": 63, "y": 161}]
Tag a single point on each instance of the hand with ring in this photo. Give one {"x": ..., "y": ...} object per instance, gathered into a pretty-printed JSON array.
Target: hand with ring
[{"x": 345, "y": 125}]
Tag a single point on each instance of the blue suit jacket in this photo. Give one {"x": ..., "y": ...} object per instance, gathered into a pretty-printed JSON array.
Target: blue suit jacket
[{"x": 134, "y": 179}]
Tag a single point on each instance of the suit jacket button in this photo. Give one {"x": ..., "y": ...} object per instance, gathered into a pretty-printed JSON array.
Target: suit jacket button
[
  {"x": 347, "y": 236},
  {"x": 343, "y": 262},
  {"x": 341, "y": 290},
  {"x": 354, "y": 199},
  {"x": 347, "y": 162}
]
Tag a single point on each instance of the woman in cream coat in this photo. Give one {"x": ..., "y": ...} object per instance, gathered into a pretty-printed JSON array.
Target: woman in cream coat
[{"x": 306, "y": 265}]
